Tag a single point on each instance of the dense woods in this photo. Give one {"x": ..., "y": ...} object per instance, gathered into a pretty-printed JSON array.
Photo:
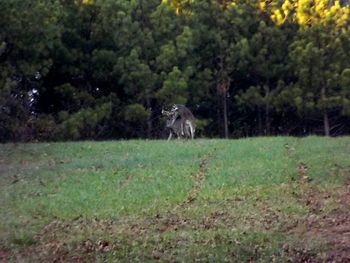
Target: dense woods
[{"x": 103, "y": 69}]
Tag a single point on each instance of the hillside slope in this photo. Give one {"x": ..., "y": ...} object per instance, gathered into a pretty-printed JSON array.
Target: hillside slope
[{"x": 256, "y": 199}]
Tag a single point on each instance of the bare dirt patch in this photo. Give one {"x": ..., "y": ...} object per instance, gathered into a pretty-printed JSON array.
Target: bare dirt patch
[
  {"x": 198, "y": 180},
  {"x": 4, "y": 254},
  {"x": 55, "y": 243},
  {"x": 333, "y": 228}
]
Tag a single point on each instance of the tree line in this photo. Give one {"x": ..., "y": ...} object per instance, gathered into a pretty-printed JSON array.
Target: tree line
[{"x": 102, "y": 69}]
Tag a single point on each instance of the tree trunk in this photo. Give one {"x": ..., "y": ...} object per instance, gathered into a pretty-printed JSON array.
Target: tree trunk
[
  {"x": 224, "y": 100},
  {"x": 325, "y": 113},
  {"x": 267, "y": 109},
  {"x": 222, "y": 89},
  {"x": 218, "y": 113},
  {"x": 259, "y": 121},
  {"x": 267, "y": 119},
  {"x": 326, "y": 123},
  {"x": 149, "y": 121}
]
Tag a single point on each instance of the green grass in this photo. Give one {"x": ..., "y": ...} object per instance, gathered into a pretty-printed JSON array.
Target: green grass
[{"x": 209, "y": 200}]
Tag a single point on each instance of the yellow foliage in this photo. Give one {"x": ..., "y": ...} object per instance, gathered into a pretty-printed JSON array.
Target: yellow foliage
[
  {"x": 316, "y": 12},
  {"x": 277, "y": 17},
  {"x": 287, "y": 7},
  {"x": 262, "y": 5},
  {"x": 84, "y": 2}
]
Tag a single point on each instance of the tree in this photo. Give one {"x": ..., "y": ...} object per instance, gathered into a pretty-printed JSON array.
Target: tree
[
  {"x": 29, "y": 33},
  {"x": 319, "y": 58},
  {"x": 105, "y": 68}
]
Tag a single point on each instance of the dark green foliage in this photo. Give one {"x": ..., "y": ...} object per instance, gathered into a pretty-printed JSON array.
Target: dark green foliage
[
  {"x": 136, "y": 113},
  {"x": 105, "y": 69}
]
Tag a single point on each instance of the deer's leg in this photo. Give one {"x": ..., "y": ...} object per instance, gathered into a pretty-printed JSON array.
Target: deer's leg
[
  {"x": 178, "y": 135},
  {"x": 182, "y": 127},
  {"x": 192, "y": 130},
  {"x": 170, "y": 135}
]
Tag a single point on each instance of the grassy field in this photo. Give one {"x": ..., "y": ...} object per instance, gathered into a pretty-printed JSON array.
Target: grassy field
[{"x": 250, "y": 200}]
